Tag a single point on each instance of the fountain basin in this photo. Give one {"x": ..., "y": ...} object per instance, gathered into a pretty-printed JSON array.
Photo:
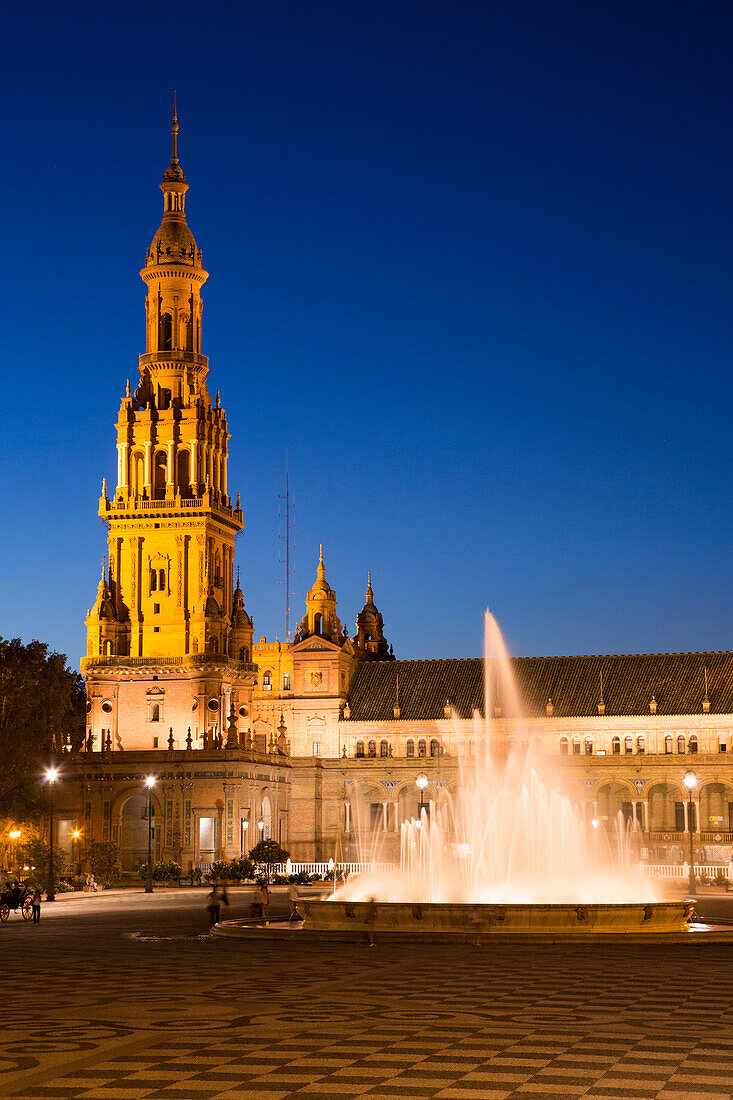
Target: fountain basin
[{"x": 650, "y": 918}]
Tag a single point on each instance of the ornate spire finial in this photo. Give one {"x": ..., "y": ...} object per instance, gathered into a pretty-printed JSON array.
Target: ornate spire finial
[
  {"x": 321, "y": 566},
  {"x": 174, "y": 131},
  {"x": 237, "y": 576}
]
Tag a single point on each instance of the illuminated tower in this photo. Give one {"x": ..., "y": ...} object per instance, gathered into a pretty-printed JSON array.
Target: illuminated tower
[{"x": 169, "y": 597}]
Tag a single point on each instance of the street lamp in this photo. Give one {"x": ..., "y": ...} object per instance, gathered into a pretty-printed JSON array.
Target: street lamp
[
  {"x": 51, "y": 777},
  {"x": 261, "y": 826},
  {"x": 245, "y": 827},
  {"x": 150, "y": 783},
  {"x": 77, "y": 865},
  {"x": 421, "y": 782},
  {"x": 691, "y": 783}
]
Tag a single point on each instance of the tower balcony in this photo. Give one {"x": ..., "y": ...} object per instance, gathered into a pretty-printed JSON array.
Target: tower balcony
[
  {"x": 191, "y": 661},
  {"x": 130, "y": 507},
  {"x": 170, "y": 360}
]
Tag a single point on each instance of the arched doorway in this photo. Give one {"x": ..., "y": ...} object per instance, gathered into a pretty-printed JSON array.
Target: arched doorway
[{"x": 134, "y": 832}]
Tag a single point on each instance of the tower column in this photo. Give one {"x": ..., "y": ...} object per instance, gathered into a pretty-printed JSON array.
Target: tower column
[
  {"x": 123, "y": 449},
  {"x": 171, "y": 485},
  {"x": 195, "y": 466}
]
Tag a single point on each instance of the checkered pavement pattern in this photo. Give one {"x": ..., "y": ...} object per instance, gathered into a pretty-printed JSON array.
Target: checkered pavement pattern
[{"x": 110, "y": 1016}]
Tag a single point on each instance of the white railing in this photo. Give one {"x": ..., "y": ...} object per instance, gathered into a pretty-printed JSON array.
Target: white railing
[
  {"x": 682, "y": 870},
  {"x": 324, "y": 868}
]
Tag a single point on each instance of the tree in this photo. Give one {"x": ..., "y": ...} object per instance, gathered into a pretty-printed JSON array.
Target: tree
[
  {"x": 104, "y": 860},
  {"x": 42, "y": 703},
  {"x": 266, "y": 854},
  {"x": 36, "y": 855}
]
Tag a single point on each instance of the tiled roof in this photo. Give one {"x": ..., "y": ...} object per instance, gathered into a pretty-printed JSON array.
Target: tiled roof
[{"x": 676, "y": 680}]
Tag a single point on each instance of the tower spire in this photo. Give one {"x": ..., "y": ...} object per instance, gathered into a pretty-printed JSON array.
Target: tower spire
[{"x": 174, "y": 131}]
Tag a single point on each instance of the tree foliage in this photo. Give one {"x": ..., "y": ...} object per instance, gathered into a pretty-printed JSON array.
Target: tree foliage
[
  {"x": 36, "y": 855},
  {"x": 41, "y": 703},
  {"x": 103, "y": 859},
  {"x": 266, "y": 854}
]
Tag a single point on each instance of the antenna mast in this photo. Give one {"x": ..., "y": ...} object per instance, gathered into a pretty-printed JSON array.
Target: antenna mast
[{"x": 289, "y": 547}]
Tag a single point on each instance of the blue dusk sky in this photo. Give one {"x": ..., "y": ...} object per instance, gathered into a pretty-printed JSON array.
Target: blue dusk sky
[{"x": 470, "y": 264}]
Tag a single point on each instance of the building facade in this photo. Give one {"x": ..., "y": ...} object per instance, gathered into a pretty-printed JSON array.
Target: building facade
[{"x": 313, "y": 741}]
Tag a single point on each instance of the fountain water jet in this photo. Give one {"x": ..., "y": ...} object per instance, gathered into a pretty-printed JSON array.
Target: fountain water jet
[{"x": 507, "y": 851}]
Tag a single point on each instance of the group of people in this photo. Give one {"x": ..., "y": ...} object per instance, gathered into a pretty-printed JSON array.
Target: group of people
[{"x": 260, "y": 906}]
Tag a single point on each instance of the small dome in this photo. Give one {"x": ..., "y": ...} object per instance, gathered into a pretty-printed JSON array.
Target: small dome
[{"x": 174, "y": 243}]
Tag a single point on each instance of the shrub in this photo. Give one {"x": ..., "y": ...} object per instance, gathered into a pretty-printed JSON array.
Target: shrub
[
  {"x": 166, "y": 871},
  {"x": 104, "y": 861}
]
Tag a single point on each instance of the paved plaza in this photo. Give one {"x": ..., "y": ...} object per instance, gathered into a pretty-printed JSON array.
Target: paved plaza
[{"x": 122, "y": 996}]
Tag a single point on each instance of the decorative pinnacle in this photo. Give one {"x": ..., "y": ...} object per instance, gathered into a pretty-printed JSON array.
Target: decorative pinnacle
[
  {"x": 174, "y": 131},
  {"x": 321, "y": 566}
]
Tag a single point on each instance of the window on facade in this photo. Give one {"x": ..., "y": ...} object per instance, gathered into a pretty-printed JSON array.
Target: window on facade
[
  {"x": 434, "y": 747},
  {"x": 155, "y": 712},
  {"x": 317, "y": 623},
  {"x": 679, "y": 817},
  {"x": 722, "y": 743},
  {"x": 681, "y": 747},
  {"x": 410, "y": 748},
  {"x": 383, "y": 748},
  {"x": 372, "y": 748},
  {"x": 563, "y": 746},
  {"x": 155, "y": 742},
  {"x": 242, "y": 653},
  {"x": 668, "y": 744},
  {"x": 156, "y": 609},
  {"x": 213, "y": 704},
  {"x": 166, "y": 332},
  {"x": 267, "y": 681},
  {"x": 576, "y": 746},
  {"x": 588, "y": 748},
  {"x": 161, "y": 580},
  {"x": 359, "y": 748},
  {"x": 640, "y": 745},
  {"x": 286, "y": 682},
  {"x": 422, "y": 748},
  {"x": 107, "y": 707},
  {"x": 153, "y": 580},
  {"x": 692, "y": 743},
  {"x": 616, "y": 746},
  {"x": 628, "y": 744},
  {"x": 316, "y": 748}
]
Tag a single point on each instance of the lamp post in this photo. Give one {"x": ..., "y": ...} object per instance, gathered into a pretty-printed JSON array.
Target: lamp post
[
  {"x": 691, "y": 783},
  {"x": 150, "y": 783},
  {"x": 245, "y": 827},
  {"x": 77, "y": 864},
  {"x": 421, "y": 783},
  {"x": 261, "y": 827},
  {"x": 51, "y": 777},
  {"x": 14, "y": 835}
]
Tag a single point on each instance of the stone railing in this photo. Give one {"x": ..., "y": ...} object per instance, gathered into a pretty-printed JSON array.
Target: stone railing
[{"x": 191, "y": 660}]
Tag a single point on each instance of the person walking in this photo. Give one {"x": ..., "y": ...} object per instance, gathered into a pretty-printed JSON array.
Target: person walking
[
  {"x": 213, "y": 904},
  {"x": 36, "y": 905},
  {"x": 293, "y": 898},
  {"x": 265, "y": 900}
]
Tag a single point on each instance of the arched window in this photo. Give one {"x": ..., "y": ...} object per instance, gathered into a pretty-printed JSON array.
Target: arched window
[
  {"x": 616, "y": 746},
  {"x": 588, "y": 747},
  {"x": 138, "y": 474},
  {"x": 421, "y": 748},
  {"x": 372, "y": 748},
  {"x": 166, "y": 332},
  {"x": 160, "y": 475},
  {"x": 243, "y": 653},
  {"x": 563, "y": 746},
  {"x": 434, "y": 747},
  {"x": 267, "y": 682},
  {"x": 576, "y": 746},
  {"x": 266, "y": 818},
  {"x": 359, "y": 748},
  {"x": 668, "y": 744},
  {"x": 161, "y": 580},
  {"x": 217, "y": 568},
  {"x": 692, "y": 743},
  {"x": 628, "y": 744},
  {"x": 318, "y": 623},
  {"x": 183, "y": 479},
  {"x": 155, "y": 713},
  {"x": 641, "y": 745},
  {"x": 410, "y": 748},
  {"x": 383, "y": 748},
  {"x": 153, "y": 580},
  {"x": 681, "y": 747}
]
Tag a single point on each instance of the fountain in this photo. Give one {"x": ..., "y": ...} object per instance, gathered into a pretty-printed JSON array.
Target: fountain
[
  {"x": 508, "y": 856},
  {"x": 508, "y": 852}
]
